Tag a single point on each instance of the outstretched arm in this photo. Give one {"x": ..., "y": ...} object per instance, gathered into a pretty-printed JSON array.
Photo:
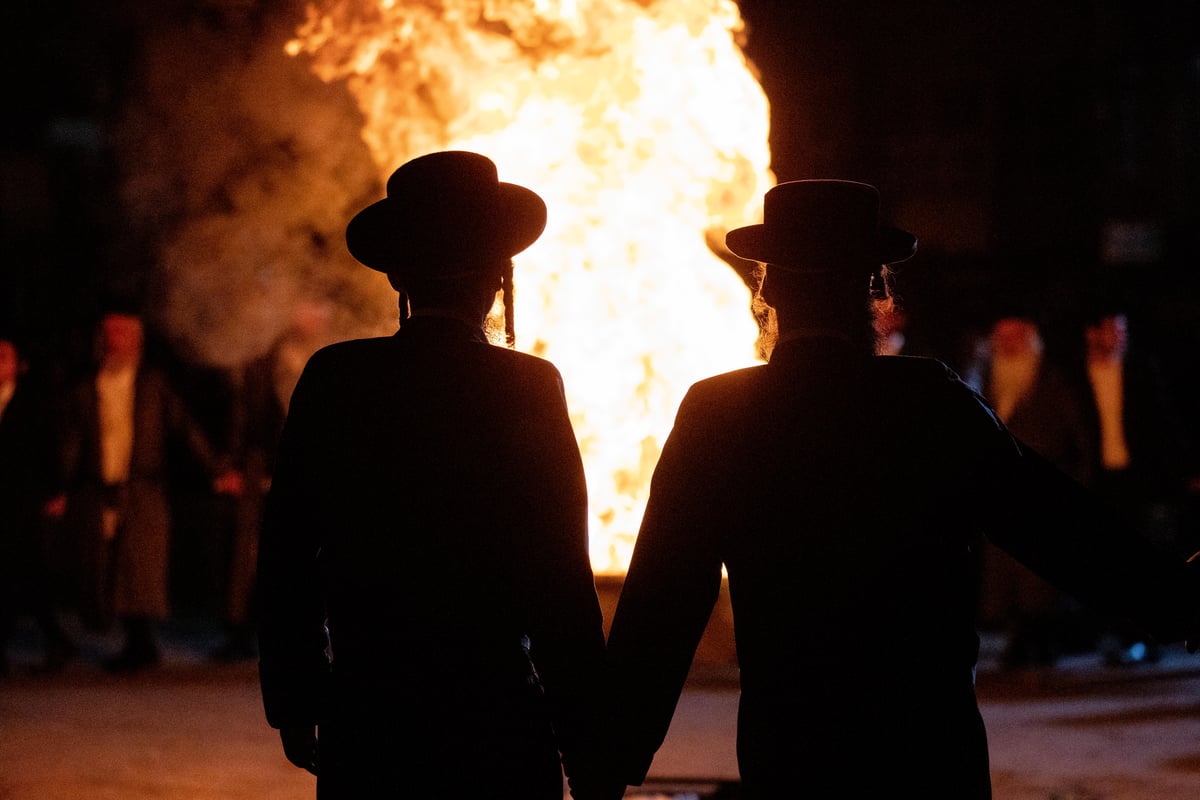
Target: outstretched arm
[{"x": 1065, "y": 533}]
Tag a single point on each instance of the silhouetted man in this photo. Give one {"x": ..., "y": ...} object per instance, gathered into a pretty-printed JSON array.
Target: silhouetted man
[
  {"x": 29, "y": 485},
  {"x": 430, "y": 625},
  {"x": 842, "y": 491}
]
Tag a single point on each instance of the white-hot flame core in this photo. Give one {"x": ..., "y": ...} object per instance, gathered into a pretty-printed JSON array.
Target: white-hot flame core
[{"x": 643, "y": 127}]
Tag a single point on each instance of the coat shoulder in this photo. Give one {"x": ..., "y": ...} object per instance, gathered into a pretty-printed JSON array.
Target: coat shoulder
[
  {"x": 924, "y": 374},
  {"x": 349, "y": 356},
  {"x": 728, "y": 382}
]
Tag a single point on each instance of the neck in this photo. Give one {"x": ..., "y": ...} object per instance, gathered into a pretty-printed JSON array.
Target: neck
[
  {"x": 791, "y": 327},
  {"x": 458, "y": 314},
  {"x": 812, "y": 333}
]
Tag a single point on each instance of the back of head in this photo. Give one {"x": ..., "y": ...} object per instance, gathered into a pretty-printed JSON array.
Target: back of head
[
  {"x": 446, "y": 225},
  {"x": 826, "y": 255}
]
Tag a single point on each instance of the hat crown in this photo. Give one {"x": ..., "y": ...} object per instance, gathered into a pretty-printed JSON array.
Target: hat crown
[
  {"x": 824, "y": 220},
  {"x": 449, "y": 174},
  {"x": 446, "y": 195},
  {"x": 821, "y": 222},
  {"x": 836, "y": 206}
]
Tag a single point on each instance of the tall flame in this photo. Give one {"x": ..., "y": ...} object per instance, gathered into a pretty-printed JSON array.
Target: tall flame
[{"x": 643, "y": 127}]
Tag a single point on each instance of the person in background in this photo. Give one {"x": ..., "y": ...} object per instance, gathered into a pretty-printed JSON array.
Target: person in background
[
  {"x": 29, "y": 492},
  {"x": 1145, "y": 466},
  {"x": 1034, "y": 397},
  {"x": 262, "y": 389},
  {"x": 429, "y": 623},
  {"x": 843, "y": 492},
  {"x": 120, "y": 421}
]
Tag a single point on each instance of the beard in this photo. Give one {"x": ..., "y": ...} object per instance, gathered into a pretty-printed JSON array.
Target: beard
[{"x": 1012, "y": 377}]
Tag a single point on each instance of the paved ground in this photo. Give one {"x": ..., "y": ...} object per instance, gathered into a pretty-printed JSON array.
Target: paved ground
[
  {"x": 194, "y": 731},
  {"x": 1083, "y": 731}
]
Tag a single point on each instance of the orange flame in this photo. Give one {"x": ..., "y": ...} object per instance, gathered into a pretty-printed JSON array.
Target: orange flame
[{"x": 643, "y": 127}]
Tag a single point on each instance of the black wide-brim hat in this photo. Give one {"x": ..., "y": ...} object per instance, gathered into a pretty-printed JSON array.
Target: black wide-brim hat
[
  {"x": 445, "y": 211},
  {"x": 821, "y": 224}
]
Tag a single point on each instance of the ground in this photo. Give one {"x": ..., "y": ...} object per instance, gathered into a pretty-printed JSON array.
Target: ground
[{"x": 191, "y": 730}]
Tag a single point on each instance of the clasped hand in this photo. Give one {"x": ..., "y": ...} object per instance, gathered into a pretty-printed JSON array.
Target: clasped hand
[{"x": 300, "y": 746}]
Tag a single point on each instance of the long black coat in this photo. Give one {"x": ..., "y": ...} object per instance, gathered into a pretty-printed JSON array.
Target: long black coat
[
  {"x": 429, "y": 506},
  {"x": 29, "y": 466},
  {"x": 844, "y": 494},
  {"x": 29, "y": 478}
]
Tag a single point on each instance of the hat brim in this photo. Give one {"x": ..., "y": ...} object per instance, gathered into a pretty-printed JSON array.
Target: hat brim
[
  {"x": 759, "y": 243},
  {"x": 388, "y": 235}
]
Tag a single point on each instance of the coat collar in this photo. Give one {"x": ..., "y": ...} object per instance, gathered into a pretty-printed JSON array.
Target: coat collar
[
  {"x": 440, "y": 327},
  {"x": 807, "y": 345}
]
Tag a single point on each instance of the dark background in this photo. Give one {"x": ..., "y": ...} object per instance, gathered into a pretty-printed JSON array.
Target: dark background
[
  {"x": 1041, "y": 151},
  {"x": 1038, "y": 150}
]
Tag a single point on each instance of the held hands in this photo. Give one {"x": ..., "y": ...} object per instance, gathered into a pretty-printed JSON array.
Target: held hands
[
  {"x": 598, "y": 792},
  {"x": 595, "y": 788},
  {"x": 300, "y": 746}
]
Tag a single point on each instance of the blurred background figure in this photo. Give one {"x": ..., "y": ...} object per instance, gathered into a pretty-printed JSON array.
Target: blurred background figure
[
  {"x": 1033, "y": 396},
  {"x": 262, "y": 389},
  {"x": 1145, "y": 459},
  {"x": 122, "y": 419},
  {"x": 29, "y": 501}
]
